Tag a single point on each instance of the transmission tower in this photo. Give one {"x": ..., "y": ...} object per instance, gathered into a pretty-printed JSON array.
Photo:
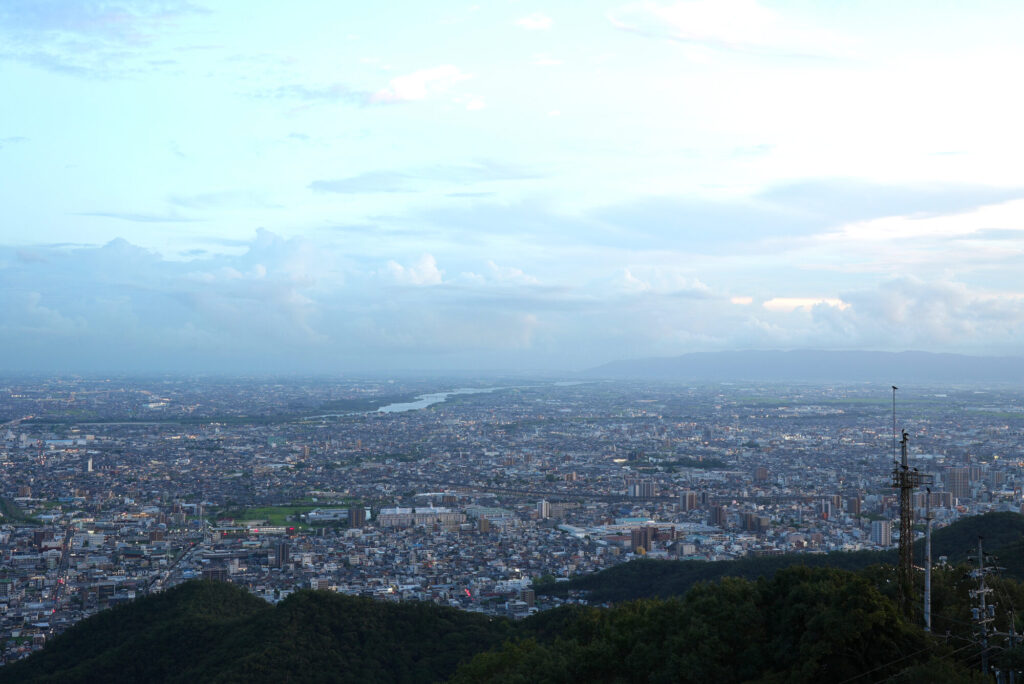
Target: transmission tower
[{"x": 906, "y": 480}]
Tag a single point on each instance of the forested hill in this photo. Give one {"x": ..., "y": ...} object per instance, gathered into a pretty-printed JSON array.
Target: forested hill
[
  {"x": 803, "y": 625},
  {"x": 217, "y": 632},
  {"x": 1003, "y": 534}
]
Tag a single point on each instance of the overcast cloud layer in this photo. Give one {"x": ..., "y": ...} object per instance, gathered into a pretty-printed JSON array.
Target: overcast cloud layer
[{"x": 322, "y": 187}]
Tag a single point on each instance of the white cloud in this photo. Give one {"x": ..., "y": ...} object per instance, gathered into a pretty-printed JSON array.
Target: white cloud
[
  {"x": 285, "y": 304},
  {"x": 420, "y": 84},
  {"x": 1006, "y": 216},
  {"x": 423, "y": 272},
  {"x": 538, "y": 21},
  {"x": 909, "y": 313},
  {"x": 805, "y": 303},
  {"x": 989, "y": 238},
  {"x": 90, "y": 37},
  {"x": 474, "y": 278},
  {"x": 508, "y": 274},
  {"x": 27, "y": 315},
  {"x": 729, "y": 24},
  {"x": 660, "y": 280}
]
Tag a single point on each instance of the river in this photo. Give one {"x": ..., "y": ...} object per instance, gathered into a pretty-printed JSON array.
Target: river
[{"x": 425, "y": 400}]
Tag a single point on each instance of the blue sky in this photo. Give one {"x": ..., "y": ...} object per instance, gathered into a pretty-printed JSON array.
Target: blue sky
[{"x": 343, "y": 187}]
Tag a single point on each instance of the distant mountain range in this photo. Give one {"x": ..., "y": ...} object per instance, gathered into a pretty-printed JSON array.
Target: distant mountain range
[{"x": 818, "y": 366}]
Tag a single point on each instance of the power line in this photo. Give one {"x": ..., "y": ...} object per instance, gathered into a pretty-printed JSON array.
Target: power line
[
  {"x": 885, "y": 665},
  {"x": 940, "y": 655}
]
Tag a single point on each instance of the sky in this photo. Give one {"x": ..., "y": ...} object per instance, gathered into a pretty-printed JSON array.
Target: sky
[{"x": 337, "y": 187}]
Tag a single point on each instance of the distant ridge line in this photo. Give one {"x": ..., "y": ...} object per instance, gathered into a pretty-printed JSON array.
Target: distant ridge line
[{"x": 818, "y": 366}]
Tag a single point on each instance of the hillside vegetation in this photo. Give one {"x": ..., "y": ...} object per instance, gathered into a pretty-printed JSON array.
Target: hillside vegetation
[
  {"x": 804, "y": 625},
  {"x": 216, "y": 632},
  {"x": 1003, "y": 539}
]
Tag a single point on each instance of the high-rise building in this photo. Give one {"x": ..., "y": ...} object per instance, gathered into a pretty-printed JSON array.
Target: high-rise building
[
  {"x": 688, "y": 501},
  {"x": 716, "y": 516},
  {"x": 216, "y": 573},
  {"x": 933, "y": 499},
  {"x": 881, "y": 532},
  {"x": 544, "y": 509},
  {"x": 958, "y": 482},
  {"x": 640, "y": 489},
  {"x": 853, "y": 505},
  {"x": 642, "y": 538},
  {"x": 750, "y": 521},
  {"x": 282, "y": 552},
  {"x": 356, "y": 516}
]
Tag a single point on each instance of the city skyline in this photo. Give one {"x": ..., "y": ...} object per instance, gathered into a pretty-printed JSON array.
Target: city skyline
[
  {"x": 234, "y": 187},
  {"x": 115, "y": 489}
]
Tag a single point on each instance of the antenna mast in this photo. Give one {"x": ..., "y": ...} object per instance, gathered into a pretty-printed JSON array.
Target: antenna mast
[
  {"x": 894, "y": 388},
  {"x": 906, "y": 480}
]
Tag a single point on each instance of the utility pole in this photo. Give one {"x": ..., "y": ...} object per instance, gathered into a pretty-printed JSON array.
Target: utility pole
[
  {"x": 928, "y": 560},
  {"x": 983, "y": 614},
  {"x": 1012, "y": 638}
]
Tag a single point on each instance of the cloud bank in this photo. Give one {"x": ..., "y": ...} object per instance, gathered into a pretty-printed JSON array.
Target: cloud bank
[{"x": 295, "y": 306}]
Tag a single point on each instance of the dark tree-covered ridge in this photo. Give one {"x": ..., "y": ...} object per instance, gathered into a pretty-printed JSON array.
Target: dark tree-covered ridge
[
  {"x": 1003, "y": 535},
  {"x": 804, "y": 625},
  {"x": 216, "y": 632}
]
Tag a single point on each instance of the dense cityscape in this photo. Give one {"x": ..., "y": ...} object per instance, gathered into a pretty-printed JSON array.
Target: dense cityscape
[{"x": 455, "y": 492}]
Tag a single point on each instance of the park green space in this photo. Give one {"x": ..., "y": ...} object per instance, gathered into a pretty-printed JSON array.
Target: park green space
[
  {"x": 12, "y": 512},
  {"x": 279, "y": 516},
  {"x": 284, "y": 516}
]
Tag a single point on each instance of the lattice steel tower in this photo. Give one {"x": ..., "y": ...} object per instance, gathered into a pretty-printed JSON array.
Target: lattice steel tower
[{"x": 906, "y": 480}]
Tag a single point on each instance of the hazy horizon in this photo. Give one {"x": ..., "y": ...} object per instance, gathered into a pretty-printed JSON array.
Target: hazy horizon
[
  {"x": 745, "y": 365},
  {"x": 321, "y": 188}
]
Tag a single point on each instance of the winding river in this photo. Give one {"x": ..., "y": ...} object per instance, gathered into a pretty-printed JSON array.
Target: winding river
[{"x": 425, "y": 400}]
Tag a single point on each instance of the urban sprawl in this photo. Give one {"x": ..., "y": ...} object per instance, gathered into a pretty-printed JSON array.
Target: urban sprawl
[{"x": 459, "y": 492}]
